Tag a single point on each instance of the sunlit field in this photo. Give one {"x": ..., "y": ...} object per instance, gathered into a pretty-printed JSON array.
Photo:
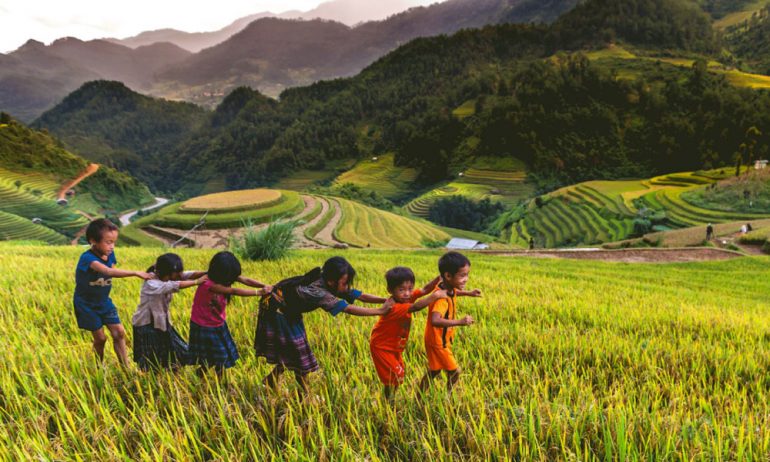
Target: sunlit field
[{"x": 568, "y": 360}]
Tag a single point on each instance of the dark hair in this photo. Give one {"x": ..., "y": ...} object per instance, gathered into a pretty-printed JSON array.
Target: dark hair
[
  {"x": 166, "y": 265},
  {"x": 335, "y": 268},
  {"x": 398, "y": 275},
  {"x": 224, "y": 268},
  {"x": 451, "y": 262},
  {"x": 97, "y": 227}
]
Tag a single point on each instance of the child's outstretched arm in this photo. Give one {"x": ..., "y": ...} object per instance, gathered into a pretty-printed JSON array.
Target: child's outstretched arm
[
  {"x": 431, "y": 285},
  {"x": 196, "y": 275},
  {"x": 224, "y": 290},
  {"x": 361, "y": 311},
  {"x": 367, "y": 298},
  {"x": 425, "y": 301},
  {"x": 254, "y": 283},
  {"x": 118, "y": 273},
  {"x": 468, "y": 293},
  {"x": 439, "y": 321},
  {"x": 192, "y": 282}
]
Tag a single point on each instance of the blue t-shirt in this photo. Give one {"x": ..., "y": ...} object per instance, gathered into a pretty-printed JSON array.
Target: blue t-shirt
[{"x": 91, "y": 287}]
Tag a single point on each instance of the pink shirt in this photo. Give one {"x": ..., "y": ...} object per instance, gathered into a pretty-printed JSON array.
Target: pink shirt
[{"x": 208, "y": 308}]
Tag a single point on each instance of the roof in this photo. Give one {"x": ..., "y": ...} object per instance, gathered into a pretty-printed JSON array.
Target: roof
[{"x": 461, "y": 244}]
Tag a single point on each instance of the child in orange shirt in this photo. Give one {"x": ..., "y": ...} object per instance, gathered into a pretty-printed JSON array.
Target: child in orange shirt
[
  {"x": 454, "y": 268},
  {"x": 389, "y": 336}
]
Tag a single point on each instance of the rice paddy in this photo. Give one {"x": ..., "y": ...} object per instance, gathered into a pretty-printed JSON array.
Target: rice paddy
[{"x": 568, "y": 360}]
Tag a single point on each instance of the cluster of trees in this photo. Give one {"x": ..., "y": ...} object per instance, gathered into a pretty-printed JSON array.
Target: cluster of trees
[
  {"x": 463, "y": 213},
  {"x": 750, "y": 41}
]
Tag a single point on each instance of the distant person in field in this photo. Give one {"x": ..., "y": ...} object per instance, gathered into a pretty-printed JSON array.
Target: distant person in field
[
  {"x": 531, "y": 243},
  {"x": 709, "y": 232},
  {"x": 749, "y": 228},
  {"x": 211, "y": 344},
  {"x": 93, "y": 281},
  {"x": 744, "y": 229},
  {"x": 454, "y": 269},
  {"x": 280, "y": 336},
  {"x": 156, "y": 343},
  {"x": 390, "y": 334}
]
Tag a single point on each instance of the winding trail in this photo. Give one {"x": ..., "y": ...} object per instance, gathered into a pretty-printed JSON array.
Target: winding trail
[
  {"x": 90, "y": 170},
  {"x": 125, "y": 219}
]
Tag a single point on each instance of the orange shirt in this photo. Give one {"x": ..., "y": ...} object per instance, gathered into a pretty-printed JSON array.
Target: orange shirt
[
  {"x": 441, "y": 336},
  {"x": 392, "y": 329}
]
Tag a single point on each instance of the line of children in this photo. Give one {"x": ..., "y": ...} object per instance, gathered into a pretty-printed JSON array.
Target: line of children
[{"x": 280, "y": 335}]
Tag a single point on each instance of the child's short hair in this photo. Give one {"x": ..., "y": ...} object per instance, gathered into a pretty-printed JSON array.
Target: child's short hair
[
  {"x": 335, "y": 268},
  {"x": 451, "y": 262},
  {"x": 224, "y": 268},
  {"x": 398, "y": 275},
  {"x": 166, "y": 265},
  {"x": 97, "y": 228}
]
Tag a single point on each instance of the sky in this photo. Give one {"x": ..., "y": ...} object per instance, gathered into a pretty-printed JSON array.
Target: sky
[{"x": 47, "y": 20}]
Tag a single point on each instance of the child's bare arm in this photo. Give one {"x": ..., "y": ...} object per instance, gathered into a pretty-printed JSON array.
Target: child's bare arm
[
  {"x": 250, "y": 282},
  {"x": 431, "y": 285},
  {"x": 425, "y": 301},
  {"x": 224, "y": 290},
  {"x": 438, "y": 321},
  {"x": 361, "y": 311},
  {"x": 468, "y": 293},
  {"x": 196, "y": 275},
  {"x": 367, "y": 298},
  {"x": 191, "y": 282},
  {"x": 118, "y": 273}
]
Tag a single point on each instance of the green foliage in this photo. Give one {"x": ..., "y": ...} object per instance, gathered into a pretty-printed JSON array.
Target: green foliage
[
  {"x": 460, "y": 212},
  {"x": 108, "y": 123},
  {"x": 750, "y": 41},
  {"x": 270, "y": 243},
  {"x": 354, "y": 192}
]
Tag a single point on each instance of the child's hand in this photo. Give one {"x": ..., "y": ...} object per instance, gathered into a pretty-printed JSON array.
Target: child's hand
[
  {"x": 143, "y": 275},
  {"x": 466, "y": 321},
  {"x": 387, "y": 306},
  {"x": 475, "y": 293},
  {"x": 268, "y": 288},
  {"x": 201, "y": 280}
]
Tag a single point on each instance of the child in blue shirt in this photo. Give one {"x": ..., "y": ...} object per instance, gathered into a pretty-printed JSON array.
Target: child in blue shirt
[{"x": 93, "y": 282}]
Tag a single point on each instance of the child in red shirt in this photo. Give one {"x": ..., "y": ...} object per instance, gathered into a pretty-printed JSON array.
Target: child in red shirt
[{"x": 389, "y": 336}]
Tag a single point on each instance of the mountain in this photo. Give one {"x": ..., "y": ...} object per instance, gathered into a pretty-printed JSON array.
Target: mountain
[
  {"x": 273, "y": 54},
  {"x": 106, "y": 122},
  {"x": 35, "y": 76},
  {"x": 26, "y": 151},
  {"x": 350, "y": 12}
]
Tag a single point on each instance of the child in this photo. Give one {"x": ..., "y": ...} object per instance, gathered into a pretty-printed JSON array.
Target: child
[
  {"x": 454, "y": 268},
  {"x": 211, "y": 344},
  {"x": 281, "y": 338},
  {"x": 389, "y": 336},
  {"x": 156, "y": 342},
  {"x": 93, "y": 282}
]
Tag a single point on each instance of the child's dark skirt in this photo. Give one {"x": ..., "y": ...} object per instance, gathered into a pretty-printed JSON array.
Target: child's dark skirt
[
  {"x": 212, "y": 346},
  {"x": 154, "y": 348},
  {"x": 282, "y": 339}
]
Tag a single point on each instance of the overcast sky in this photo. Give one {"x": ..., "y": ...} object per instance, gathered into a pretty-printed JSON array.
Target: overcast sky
[{"x": 47, "y": 20}]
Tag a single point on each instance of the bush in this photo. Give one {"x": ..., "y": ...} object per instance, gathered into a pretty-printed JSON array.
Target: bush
[
  {"x": 270, "y": 243},
  {"x": 463, "y": 213}
]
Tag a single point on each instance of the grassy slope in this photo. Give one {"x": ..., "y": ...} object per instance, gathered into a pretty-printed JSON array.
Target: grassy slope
[{"x": 644, "y": 355}]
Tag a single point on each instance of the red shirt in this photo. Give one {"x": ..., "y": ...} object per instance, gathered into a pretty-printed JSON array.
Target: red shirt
[{"x": 392, "y": 330}]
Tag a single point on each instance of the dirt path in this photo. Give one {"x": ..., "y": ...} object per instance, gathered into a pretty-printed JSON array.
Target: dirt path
[
  {"x": 90, "y": 170},
  {"x": 327, "y": 233},
  {"x": 629, "y": 255},
  {"x": 299, "y": 232}
]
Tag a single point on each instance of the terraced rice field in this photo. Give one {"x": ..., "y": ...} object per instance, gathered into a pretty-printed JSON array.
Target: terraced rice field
[
  {"x": 232, "y": 201},
  {"x": 598, "y": 212},
  {"x": 14, "y": 227},
  {"x": 382, "y": 176},
  {"x": 363, "y": 226},
  {"x": 493, "y": 179}
]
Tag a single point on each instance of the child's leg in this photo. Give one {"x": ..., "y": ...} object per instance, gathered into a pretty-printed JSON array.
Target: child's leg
[
  {"x": 302, "y": 381},
  {"x": 100, "y": 339},
  {"x": 427, "y": 379},
  {"x": 390, "y": 392},
  {"x": 272, "y": 377},
  {"x": 118, "y": 334},
  {"x": 451, "y": 379}
]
